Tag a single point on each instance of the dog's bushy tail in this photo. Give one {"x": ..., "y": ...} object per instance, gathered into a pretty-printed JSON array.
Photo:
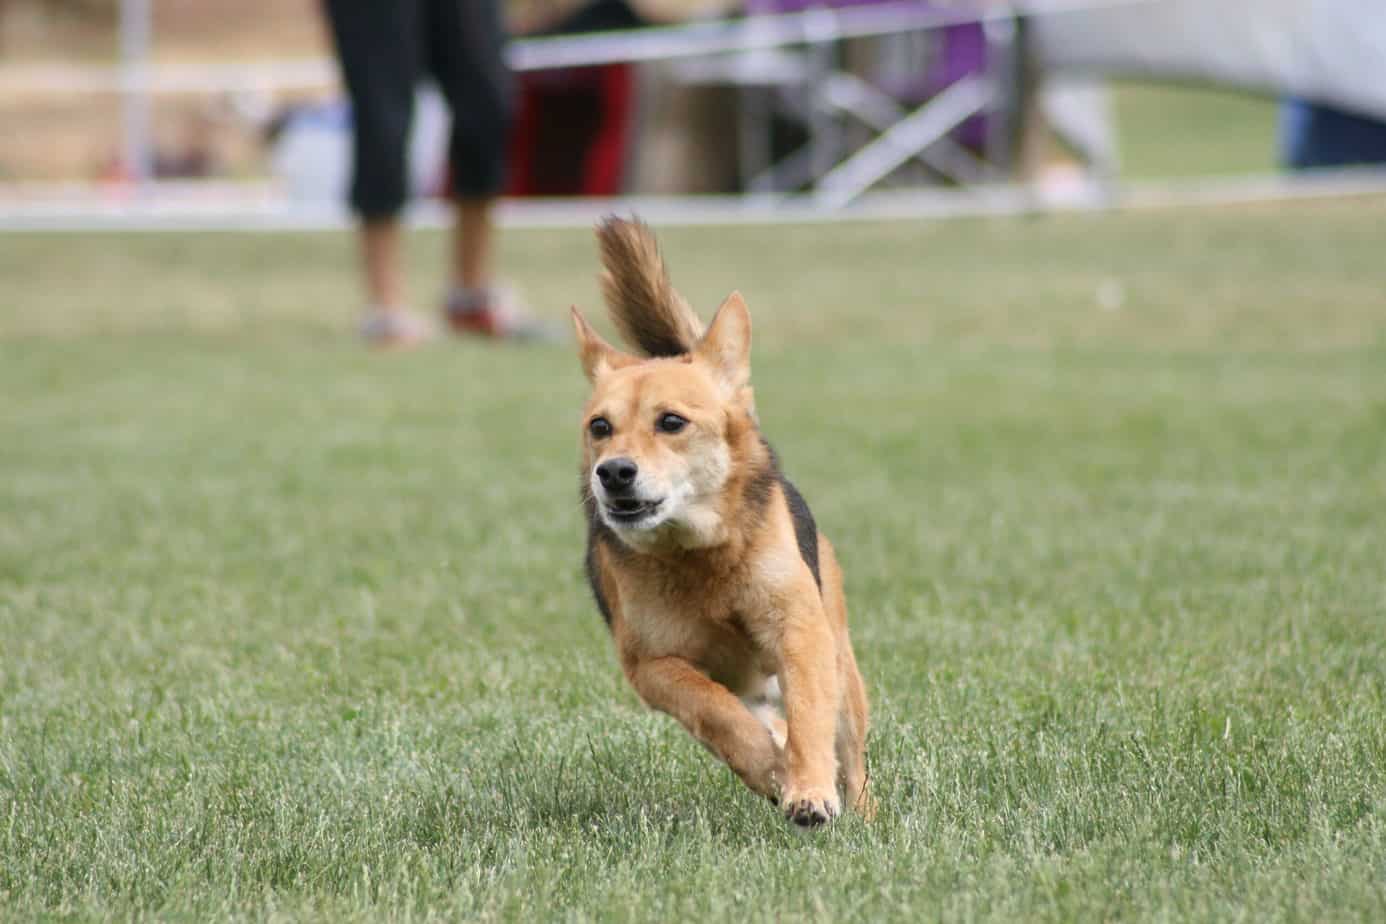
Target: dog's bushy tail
[{"x": 649, "y": 314}]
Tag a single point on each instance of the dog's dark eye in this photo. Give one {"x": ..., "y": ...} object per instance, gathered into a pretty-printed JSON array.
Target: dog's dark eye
[
  {"x": 671, "y": 423},
  {"x": 599, "y": 427}
]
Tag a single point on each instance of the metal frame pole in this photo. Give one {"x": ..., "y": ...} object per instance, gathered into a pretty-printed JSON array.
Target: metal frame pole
[{"x": 136, "y": 124}]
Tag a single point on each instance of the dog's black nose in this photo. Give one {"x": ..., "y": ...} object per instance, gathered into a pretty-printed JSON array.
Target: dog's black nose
[{"x": 617, "y": 474}]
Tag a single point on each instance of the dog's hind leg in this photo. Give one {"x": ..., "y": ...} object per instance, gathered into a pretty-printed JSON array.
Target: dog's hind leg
[
  {"x": 852, "y": 722},
  {"x": 853, "y": 716}
]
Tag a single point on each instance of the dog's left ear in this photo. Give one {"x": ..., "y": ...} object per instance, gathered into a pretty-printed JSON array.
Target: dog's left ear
[
  {"x": 596, "y": 355},
  {"x": 726, "y": 346}
]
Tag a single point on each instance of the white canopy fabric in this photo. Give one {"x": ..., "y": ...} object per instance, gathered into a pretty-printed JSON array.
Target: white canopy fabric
[{"x": 1330, "y": 51}]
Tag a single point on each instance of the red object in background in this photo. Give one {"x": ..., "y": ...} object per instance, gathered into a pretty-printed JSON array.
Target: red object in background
[{"x": 572, "y": 131}]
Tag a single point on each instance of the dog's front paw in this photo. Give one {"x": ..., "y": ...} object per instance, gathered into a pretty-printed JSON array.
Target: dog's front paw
[{"x": 810, "y": 808}]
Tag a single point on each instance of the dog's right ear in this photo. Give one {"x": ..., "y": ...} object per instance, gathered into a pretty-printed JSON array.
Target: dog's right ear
[
  {"x": 597, "y": 356},
  {"x": 726, "y": 346}
]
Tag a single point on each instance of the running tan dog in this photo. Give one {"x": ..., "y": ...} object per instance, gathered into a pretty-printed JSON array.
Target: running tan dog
[{"x": 722, "y": 596}]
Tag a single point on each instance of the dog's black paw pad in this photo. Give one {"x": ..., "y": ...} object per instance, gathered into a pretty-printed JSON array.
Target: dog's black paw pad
[{"x": 808, "y": 814}]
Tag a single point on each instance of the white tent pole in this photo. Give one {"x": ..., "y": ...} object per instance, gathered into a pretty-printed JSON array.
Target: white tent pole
[{"x": 135, "y": 28}]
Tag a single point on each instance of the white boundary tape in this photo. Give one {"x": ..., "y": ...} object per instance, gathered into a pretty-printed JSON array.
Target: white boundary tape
[{"x": 186, "y": 207}]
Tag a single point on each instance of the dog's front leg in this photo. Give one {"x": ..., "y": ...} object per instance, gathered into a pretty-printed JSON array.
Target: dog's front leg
[
  {"x": 811, "y": 688},
  {"x": 713, "y": 715}
]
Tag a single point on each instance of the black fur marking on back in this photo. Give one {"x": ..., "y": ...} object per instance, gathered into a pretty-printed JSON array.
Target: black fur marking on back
[
  {"x": 805, "y": 530},
  {"x": 761, "y": 486}
]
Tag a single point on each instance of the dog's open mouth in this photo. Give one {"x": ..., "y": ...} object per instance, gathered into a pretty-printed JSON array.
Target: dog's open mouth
[{"x": 630, "y": 509}]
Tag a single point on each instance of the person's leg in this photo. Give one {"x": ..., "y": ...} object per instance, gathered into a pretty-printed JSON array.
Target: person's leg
[
  {"x": 378, "y": 47},
  {"x": 473, "y": 236},
  {"x": 467, "y": 56},
  {"x": 382, "y": 263}
]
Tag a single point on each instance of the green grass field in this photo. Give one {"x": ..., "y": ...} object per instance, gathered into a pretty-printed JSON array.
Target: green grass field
[
  {"x": 1182, "y": 131},
  {"x": 289, "y": 631}
]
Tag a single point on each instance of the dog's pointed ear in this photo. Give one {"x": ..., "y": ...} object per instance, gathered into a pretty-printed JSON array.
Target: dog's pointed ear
[
  {"x": 726, "y": 346},
  {"x": 597, "y": 356}
]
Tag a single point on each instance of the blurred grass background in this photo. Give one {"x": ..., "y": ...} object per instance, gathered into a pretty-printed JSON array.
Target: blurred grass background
[{"x": 1167, "y": 130}]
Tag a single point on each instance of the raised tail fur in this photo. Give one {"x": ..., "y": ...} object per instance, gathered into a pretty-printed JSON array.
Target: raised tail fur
[{"x": 649, "y": 314}]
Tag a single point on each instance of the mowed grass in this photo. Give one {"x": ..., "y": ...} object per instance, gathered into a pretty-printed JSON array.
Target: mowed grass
[{"x": 291, "y": 631}]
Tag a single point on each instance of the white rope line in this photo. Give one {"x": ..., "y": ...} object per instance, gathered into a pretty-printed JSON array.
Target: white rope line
[{"x": 257, "y": 208}]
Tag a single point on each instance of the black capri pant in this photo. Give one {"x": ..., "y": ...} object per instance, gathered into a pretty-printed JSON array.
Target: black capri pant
[{"x": 385, "y": 47}]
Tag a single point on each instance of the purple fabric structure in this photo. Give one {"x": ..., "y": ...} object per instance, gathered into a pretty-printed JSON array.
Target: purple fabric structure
[
  {"x": 759, "y": 7},
  {"x": 963, "y": 51}
]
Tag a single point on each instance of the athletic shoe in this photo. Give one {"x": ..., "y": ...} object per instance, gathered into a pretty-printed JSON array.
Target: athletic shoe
[
  {"x": 394, "y": 330},
  {"x": 495, "y": 312}
]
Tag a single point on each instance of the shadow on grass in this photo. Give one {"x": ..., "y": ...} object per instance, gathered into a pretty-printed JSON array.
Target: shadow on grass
[{"x": 618, "y": 791}]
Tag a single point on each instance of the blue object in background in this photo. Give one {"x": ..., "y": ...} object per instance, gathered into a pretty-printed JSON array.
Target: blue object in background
[{"x": 1313, "y": 135}]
